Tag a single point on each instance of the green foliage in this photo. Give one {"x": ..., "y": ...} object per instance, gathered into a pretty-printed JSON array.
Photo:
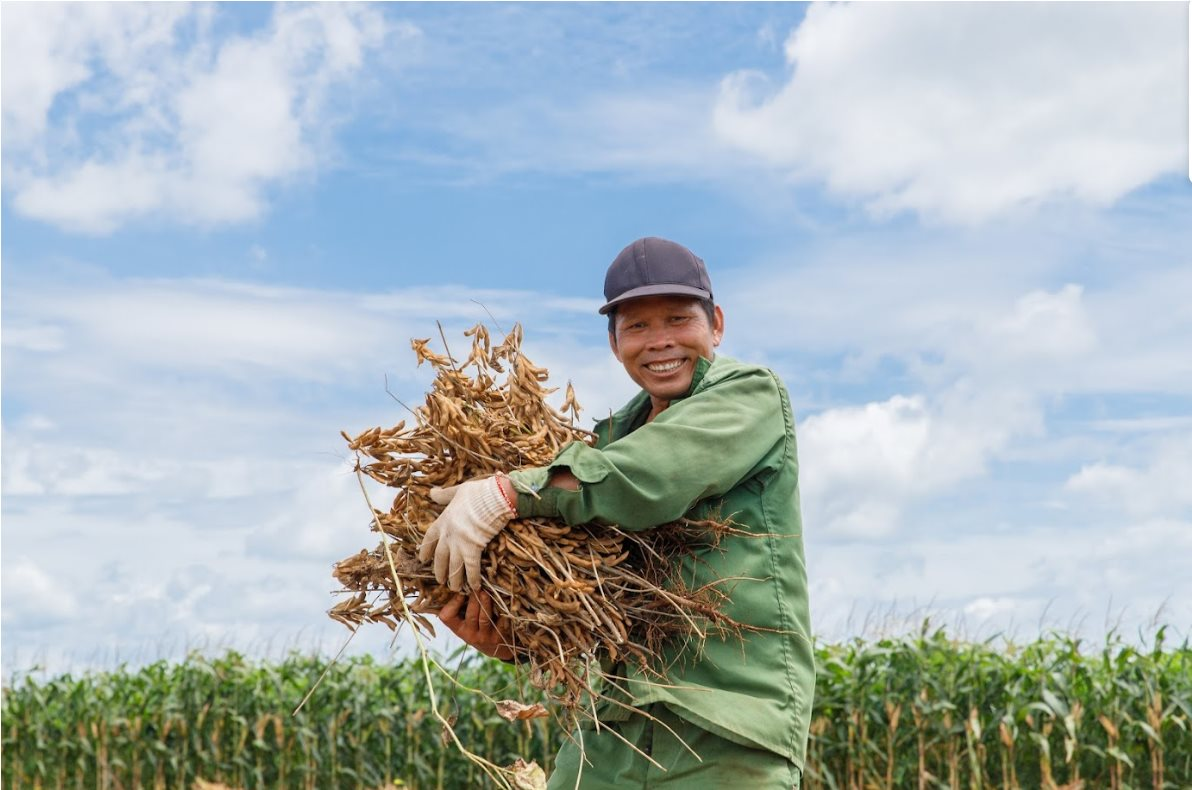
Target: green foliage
[
  {"x": 928, "y": 712},
  {"x": 920, "y": 711},
  {"x": 229, "y": 720}
]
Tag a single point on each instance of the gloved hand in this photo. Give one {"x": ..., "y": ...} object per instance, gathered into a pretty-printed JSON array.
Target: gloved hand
[{"x": 476, "y": 511}]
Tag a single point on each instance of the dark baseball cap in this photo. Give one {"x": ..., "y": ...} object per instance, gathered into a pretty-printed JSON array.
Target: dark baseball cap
[{"x": 655, "y": 267}]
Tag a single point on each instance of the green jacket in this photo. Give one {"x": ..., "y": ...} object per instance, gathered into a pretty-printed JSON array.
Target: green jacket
[{"x": 727, "y": 448}]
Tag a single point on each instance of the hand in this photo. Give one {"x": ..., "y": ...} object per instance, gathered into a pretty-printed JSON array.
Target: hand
[
  {"x": 476, "y": 625},
  {"x": 476, "y": 511}
]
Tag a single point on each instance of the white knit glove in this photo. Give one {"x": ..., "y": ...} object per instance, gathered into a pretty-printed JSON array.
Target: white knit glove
[{"x": 476, "y": 511}]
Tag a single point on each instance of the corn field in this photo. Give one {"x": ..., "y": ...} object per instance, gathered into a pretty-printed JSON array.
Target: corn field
[
  {"x": 925, "y": 712},
  {"x": 919, "y": 711}
]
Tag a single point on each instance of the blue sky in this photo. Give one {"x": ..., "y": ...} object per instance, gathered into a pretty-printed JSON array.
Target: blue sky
[{"x": 959, "y": 232}]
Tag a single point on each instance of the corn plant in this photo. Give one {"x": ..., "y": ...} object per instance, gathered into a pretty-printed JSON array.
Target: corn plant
[
  {"x": 924, "y": 711},
  {"x": 919, "y": 711}
]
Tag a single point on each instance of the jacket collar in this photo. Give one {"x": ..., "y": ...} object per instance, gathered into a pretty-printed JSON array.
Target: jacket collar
[{"x": 621, "y": 422}]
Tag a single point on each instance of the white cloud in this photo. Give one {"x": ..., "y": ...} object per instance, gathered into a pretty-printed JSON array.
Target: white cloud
[
  {"x": 102, "y": 329},
  {"x": 896, "y": 432},
  {"x": 88, "y": 198},
  {"x": 56, "y": 44},
  {"x": 965, "y": 112},
  {"x": 633, "y": 133},
  {"x": 1159, "y": 487},
  {"x": 860, "y": 466},
  {"x": 961, "y": 113},
  {"x": 893, "y": 295},
  {"x": 220, "y": 390},
  {"x": 1046, "y": 324},
  {"x": 1017, "y": 582},
  {"x": 979, "y": 360},
  {"x": 215, "y": 325},
  {"x": 325, "y": 519},
  {"x": 1047, "y": 341},
  {"x": 1143, "y": 424},
  {"x": 34, "y": 337},
  {"x": 959, "y": 362},
  {"x": 49, "y": 468},
  {"x": 120, "y": 112},
  {"x": 921, "y": 366},
  {"x": 971, "y": 305},
  {"x": 53, "y": 468},
  {"x": 32, "y": 596},
  {"x": 1143, "y": 326},
  {"x": 985, "y": 607}
]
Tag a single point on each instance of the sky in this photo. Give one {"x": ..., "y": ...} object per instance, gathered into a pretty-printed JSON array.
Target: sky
[{"x": 959, "y": 233}]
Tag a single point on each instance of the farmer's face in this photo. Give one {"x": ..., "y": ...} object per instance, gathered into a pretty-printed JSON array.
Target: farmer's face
[{"x": 659, "y": 338}]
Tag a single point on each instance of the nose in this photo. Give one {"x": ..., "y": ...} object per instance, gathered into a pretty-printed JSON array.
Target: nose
[{"x": 660, "y": 338}]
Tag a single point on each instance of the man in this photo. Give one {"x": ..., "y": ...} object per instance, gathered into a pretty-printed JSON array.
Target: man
[{"x": 707, "y": 436}]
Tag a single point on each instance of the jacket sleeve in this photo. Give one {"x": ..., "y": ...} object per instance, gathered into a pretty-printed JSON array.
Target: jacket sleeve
[{"x": 699, "y": 447}]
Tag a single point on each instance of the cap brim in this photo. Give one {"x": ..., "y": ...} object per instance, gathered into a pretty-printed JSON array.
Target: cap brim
[{"x": 657, "y": 289}]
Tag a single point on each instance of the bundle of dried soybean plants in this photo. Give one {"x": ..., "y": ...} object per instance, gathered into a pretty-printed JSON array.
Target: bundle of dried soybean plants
[{"x": 566, "y": 594}]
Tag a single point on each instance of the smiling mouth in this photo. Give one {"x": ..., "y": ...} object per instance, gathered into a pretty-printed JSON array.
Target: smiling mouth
[{"x": 664, "y": 367}]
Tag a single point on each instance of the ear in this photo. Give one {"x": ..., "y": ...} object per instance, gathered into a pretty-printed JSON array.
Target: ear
[
  {"x": 612, "y": 343},
  {"x": 717, "y": 326}
]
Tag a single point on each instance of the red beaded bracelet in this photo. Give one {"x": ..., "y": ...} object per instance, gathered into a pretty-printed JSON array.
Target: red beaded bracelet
[{"x": 501, "y": 489}]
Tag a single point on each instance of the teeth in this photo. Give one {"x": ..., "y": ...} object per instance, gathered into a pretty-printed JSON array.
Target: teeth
[{"x": 663, "y": 367}]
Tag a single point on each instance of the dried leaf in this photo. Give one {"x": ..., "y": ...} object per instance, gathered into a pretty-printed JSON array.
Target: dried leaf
[
  {"x": 447, "y": 731},
  {"x": 512, "y": 710},
  {"x": 527, "y": 776}
]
